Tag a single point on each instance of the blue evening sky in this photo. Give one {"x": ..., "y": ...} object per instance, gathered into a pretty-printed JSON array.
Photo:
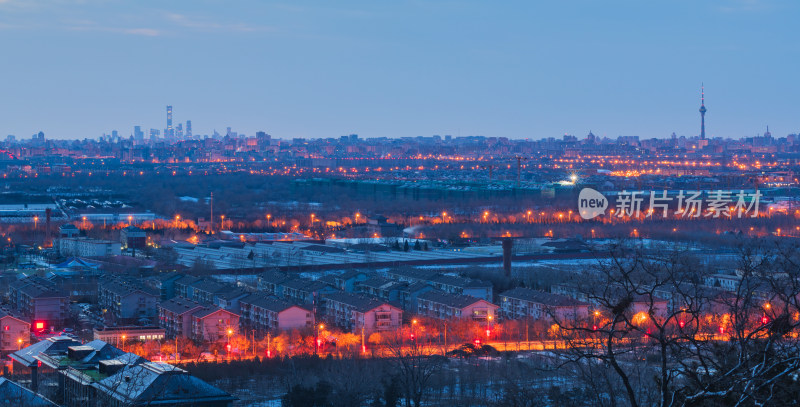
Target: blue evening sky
[{"x": 518, "y": 69}]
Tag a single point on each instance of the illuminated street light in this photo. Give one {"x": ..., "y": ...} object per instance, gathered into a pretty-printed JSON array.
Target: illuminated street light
[
  {"x": 316, "y": 339},
  {"x": 230, "y": 332}
]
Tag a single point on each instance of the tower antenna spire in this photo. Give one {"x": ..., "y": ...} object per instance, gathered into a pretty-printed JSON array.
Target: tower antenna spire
[{"x": 702, "y": 111}]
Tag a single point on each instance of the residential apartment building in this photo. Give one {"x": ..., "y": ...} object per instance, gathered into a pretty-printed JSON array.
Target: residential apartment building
[
  {"x": 175, "y": 316},
  {"x": 133, "y": 237},
  {"x": 355, "y": 312},
  {"x": 264, "y": 313},
  {"x": 214, "y": 324},
  {"x": 527, "y": 303},
  {"x": 189, "y": 319},
  {"x": 15, "y": 333},
  {"x": 441, "y": 305},
  {"x": 37, "y": 299},
  {"x": 126, "y": 301},
  {"x": 303, "y": 291},
  {"x": 445, "y": 282},
  {"x": 86, "y": 247}
]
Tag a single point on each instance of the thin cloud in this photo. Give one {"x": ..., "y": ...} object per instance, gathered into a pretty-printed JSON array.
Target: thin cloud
[
  {"x": 203, "y": 24},
  {"x": 140, "y": 31},
  {"x": 147, "y": 32}
]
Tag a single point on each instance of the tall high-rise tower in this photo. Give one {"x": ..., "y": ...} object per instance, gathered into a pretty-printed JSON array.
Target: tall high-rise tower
[
  {"x": 702, "y": 112},
  {"x": 188, "y": 129},
  {"x": 170, "y": 132}
]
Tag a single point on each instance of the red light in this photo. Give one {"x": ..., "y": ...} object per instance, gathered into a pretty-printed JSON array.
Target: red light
[
  {"x": 477, "y": 342},
  {"x": 40, "y": 325},
  {"x": 764, "y": 319},
  {"x": 682, "y": 324},
  {"x": 721, "y": 330},
  {"x": 488, "y": 332},
  {"x": 39, "y": 364},
  {"x": 412, "y": 337},
  {"x": 6, "y": 327},
  {"x": 269, "y": 354},
  {"x": 594, "y": 327}
]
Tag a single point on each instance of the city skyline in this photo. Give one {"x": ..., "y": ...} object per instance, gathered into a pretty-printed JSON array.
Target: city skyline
[{"x": 516, "y": 71}]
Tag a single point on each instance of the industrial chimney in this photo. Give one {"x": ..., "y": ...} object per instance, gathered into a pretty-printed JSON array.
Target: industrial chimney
[
  {"x": 507, "y": 244},
  {"x": 48, "y": 213}
]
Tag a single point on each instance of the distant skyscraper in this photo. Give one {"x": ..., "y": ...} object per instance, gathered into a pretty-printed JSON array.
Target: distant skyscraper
[
  {"x": 114, "y": 134},
  {"x": 702, "y": 112},
  {"x": 170, "y": 132},
  {"x": 154, "y": 134},
  {"x": 188, "y": 129},
  {"x": 179, "y": 131},
  {"x": 138, "y": 134}
]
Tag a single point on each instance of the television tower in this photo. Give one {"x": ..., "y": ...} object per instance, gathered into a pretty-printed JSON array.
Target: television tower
[{"x": 702, "y": 112}]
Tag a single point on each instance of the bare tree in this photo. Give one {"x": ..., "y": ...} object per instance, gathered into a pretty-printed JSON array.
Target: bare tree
[
  {"x": 670, "y": 340},
  {"x": 414, "y": 366}
]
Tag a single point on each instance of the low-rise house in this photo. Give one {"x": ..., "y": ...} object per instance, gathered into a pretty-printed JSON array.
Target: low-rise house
[
  {"x": 356, "y": 312},
  {"x": 441, "y": 305},
  {"x": 29, "y": 371},
  {"x": 15, "y": 333},
  {"x": 154, "y": 383},
  {"x": 98, "y": 374},
  {"x": 527, "y": 303},
  {"x": 728, "y": 282},
  {"x": 264, "y": 313}
]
